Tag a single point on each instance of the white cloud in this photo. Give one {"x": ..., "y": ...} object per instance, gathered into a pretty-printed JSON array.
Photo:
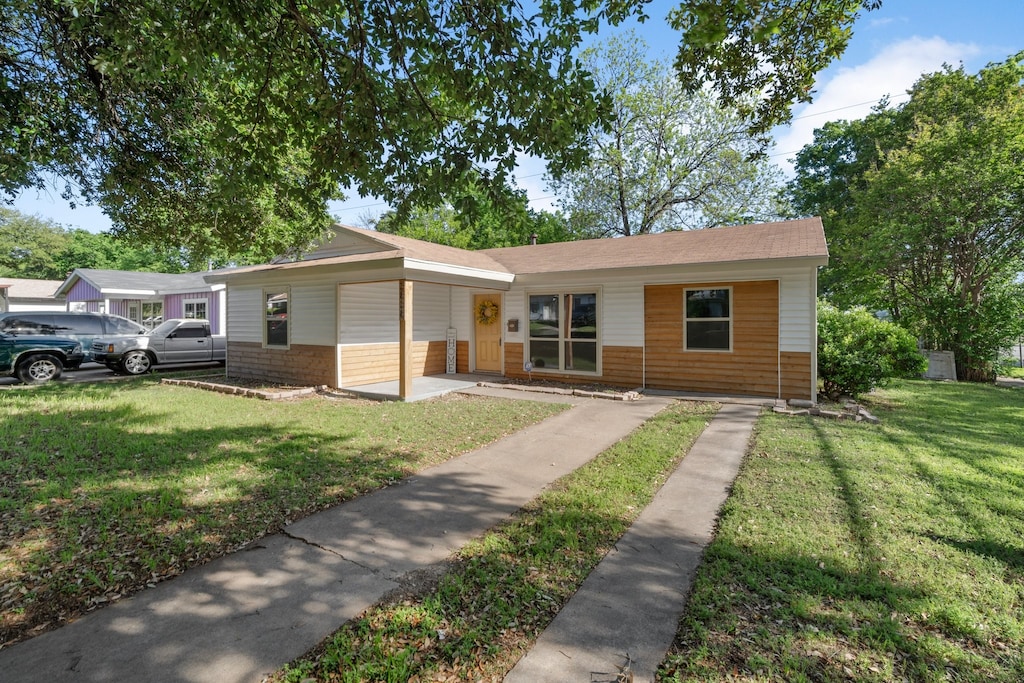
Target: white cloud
[{"x": 852, "y": 91}]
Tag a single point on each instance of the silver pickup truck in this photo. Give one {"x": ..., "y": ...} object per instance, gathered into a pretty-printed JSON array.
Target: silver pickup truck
[{"x": 174, "y": 341}]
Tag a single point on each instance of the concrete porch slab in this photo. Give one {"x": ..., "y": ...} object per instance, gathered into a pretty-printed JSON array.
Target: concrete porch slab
[{"x": 430, "y": 386}]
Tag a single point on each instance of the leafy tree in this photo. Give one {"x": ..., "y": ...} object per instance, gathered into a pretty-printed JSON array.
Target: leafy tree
[
  {"x": 488, "y": 224},
  {"x": 229, "y": 125},
  {"x": 930, "y": 227},
  {"x": 105, "y": 251},
  {"x": 28, "y": 245},
  {"x": 669, "y": 159},
  {"x": 828, "y": 173},
  {"x": 745, "y": 48},
  {"x": 858, "y": 352},
  {"x": 35, "y": 248}
]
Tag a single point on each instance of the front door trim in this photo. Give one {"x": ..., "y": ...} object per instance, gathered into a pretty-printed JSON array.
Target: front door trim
[{"x": 487, "y": 335}]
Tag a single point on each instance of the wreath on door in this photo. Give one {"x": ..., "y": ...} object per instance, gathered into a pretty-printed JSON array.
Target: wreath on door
[{"x": 487, "y": 312}]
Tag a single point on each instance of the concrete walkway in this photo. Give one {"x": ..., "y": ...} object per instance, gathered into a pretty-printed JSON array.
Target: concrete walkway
[
  {"x": 622, "y": 621},
  {"x": 245, "y": 615}
]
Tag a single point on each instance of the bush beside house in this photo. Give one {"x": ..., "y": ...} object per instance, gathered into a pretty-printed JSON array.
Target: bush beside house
[{"x": 857, "y": 351}]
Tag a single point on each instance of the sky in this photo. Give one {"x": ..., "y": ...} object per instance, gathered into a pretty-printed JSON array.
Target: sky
[{"x": 890, "y": 49}]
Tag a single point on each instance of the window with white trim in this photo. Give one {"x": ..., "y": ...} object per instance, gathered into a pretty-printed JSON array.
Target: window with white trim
[
  {"x": 275, "y": 329},
  {"x": 708, "y": 324},
  {"x": 195, "y": 309},
  {"x": 152, "y": 314},
  {"x": 563, "y": 332}
]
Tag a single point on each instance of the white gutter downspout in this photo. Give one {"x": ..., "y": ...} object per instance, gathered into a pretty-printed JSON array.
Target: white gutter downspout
[
  {"x": 814, "y": 335},
  {"x": 778, "y": 342},
  {"x": 643, "y": 341}
]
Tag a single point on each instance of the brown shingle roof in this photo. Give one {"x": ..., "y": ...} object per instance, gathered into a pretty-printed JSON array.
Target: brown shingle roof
[
  {"x": 804, "y": 238},
  {"x": 428, "y": 251},
  {"x": 393, "y": 247}
]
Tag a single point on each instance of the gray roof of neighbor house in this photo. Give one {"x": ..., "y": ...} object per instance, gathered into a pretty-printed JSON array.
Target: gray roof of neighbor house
[
  {"x": 804, "y": 238},
  {"x": 24, "y": 288},
  {"x": 126, "y": 280}
]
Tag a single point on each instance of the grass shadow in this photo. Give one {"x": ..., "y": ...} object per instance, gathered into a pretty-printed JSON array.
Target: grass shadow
[{"x": 109, "y": 488}]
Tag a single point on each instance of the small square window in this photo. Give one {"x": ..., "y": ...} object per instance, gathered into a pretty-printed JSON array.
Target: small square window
[
  {"x": 708, "y": 320},
  {"x": 194, "y": 309}
]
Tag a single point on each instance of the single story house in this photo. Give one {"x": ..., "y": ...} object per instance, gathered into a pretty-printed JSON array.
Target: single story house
[
  {"x": 720, "y": 310},
  {"x": 25, "y": 294},
  {"x": 146, "y": 298}
]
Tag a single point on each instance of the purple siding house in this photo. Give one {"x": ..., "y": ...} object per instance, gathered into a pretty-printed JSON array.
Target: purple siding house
[{"x": 146, "y": 298}]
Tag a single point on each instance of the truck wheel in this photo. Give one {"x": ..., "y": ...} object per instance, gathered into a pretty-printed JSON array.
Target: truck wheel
[
  {"x": 136, "y": 363},
  {"x": 39, "y": 368}
]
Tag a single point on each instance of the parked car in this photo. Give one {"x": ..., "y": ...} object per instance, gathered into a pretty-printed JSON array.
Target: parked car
[
  {"x": 34, "y": 359},
  {"x": 81, "y": 326},
  {"x": 173, "y": 341}
]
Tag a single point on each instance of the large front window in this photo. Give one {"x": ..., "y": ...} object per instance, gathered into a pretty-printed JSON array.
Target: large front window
[
  {"x": 708, "y": 320},
  {"x": 276, "y": 317},
  {"x": 563, "y": 331}
]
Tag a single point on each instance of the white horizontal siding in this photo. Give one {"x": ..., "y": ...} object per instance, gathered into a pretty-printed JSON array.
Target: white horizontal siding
[
  {"x": 797, "y": 300},
  {"x": 622, "y": 322},
  {"x": 462, "y": 313},
  {"x": 245, "y": 314},
  {"x": 311, "y": 314},
  {"x": 430, "y": 312},
  {"x": 368, "y": 313},
  {"x": 515, "y": 307}
]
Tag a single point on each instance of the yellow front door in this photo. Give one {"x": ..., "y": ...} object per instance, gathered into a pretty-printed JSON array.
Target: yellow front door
[{"x": 487, "y": 314}]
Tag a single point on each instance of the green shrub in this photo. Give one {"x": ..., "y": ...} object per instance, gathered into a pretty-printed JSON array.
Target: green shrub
[{"x": 857, "y": 351}]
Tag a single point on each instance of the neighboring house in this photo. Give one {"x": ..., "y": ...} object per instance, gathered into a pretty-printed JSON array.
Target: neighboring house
[
  {"x": 21, "y": 294},
  {"x": 146, "y": 298},
  {"x": 721, "y": 310}
]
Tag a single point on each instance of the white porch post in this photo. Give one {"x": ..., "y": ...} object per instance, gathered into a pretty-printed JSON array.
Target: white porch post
[{"x": 405, "y": 339}]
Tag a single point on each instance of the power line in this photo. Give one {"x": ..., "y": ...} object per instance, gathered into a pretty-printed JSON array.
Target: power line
[
  {"x": 849, "y": 106},
  {"x": 832, "y": 111}
]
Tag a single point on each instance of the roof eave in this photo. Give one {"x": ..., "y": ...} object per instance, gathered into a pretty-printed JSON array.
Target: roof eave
[
  {"x": 464, "y": 271},
  {"x": 812, "y": 260}
]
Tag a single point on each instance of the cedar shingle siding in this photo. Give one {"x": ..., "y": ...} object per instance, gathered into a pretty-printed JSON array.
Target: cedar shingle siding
[{"x": 751, "y": 368}]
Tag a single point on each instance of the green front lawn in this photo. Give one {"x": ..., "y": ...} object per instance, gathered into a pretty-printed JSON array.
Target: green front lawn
[
  {"x": 846, "y": 551},
  {"x": 505, "y": 588},
  {"x": 106, "y": 488},
  {"x": 870, "y": 553}
]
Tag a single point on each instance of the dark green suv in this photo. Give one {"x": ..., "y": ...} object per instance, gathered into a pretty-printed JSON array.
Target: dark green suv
[
  {"x": 35, "y": 360},
  {"x": 70, "y": 324}
]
